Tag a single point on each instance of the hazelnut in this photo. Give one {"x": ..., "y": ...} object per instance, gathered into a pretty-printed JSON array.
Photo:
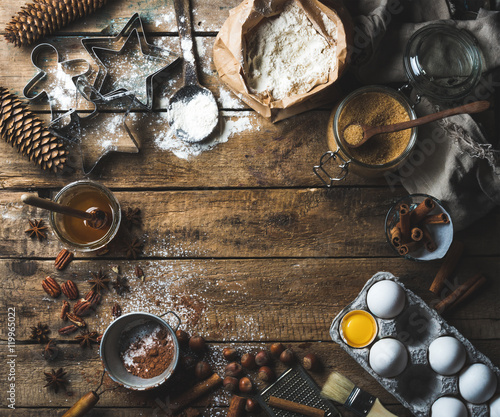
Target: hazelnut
[
  {"x": 245, "y": 384},
  {"x": 251, "y": 405},
  {"x": 197, "y": 343},
  {"x": 265, "y": 374},
  {"x": 311, "y": 362},
  {"x": 230, "y": 384},
  {"x": 188, "y": 362},
  {"x": 276, "y": 349},
  {"x": 182, "y": 337},
  {"x": 233, "y": 369},
  {"x": 262, "y": 358},
  {"x": 229, "y": 354},
  {"x": 287, "y": 357},
  {"x": 248, "y": 361},
  {"x": 202, "y": 370}
]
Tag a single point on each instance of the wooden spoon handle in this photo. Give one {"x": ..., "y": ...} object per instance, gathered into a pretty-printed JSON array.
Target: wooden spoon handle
[
  {"x": 476, "y": 107},
  {"x": 52, "y": 206}
]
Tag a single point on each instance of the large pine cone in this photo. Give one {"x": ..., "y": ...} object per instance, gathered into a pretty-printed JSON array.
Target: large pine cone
[{"x": 28, "y": 134}]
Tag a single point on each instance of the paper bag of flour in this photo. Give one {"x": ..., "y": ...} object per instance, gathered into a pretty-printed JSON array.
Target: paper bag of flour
[{"x": 243, "y": 33}]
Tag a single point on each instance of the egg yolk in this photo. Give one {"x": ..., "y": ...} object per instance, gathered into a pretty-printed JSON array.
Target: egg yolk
[{"x": 358, "y": 328}]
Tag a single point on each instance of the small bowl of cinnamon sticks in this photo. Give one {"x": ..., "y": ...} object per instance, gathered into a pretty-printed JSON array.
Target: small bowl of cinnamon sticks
[{"x": 419, "y": 228}]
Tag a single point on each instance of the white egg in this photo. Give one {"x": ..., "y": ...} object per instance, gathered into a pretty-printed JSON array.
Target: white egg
[
  {"x": 495, "y": 406},
  {"x": 446, "y": 355},
  {"x": 386, "y": 299},
  {"x": 477, "y": 383},
  {"x": 449, "y": 407},
  {"x": 388, "y": 357}
]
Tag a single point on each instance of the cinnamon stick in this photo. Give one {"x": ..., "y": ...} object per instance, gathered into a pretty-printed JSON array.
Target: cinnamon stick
[
  {"x": 404, "y": 222},
  {"x": 460, "y": 292},
  {"x": 236, "y": 406},
  {"x": 295, "y": 407},
  {"x": 417, "y": 234},
  {"x": 440, "y": 218},
  {"x": 395, "y": 234},
  {"x": 196, "y": 391},
  {"x": 409, "y": 247},
  {"x": 478, "y": 284},
  {"x": 428, "y": 240},
  {"x": 422, "y": 210},
  {"x": 448, "y": 266}
]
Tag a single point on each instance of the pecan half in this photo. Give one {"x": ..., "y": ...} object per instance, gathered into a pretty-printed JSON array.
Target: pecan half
[
  {"x": 68, "y": 329},
  {"x": 116, "y": 311},
  {"x": 93, "y": 298},
  {"x": 69, "y": 289},
  {"x": 65, "y": 311},
  {"x": 73, "y": 318},
  {"x": 139, "y": 273},
  {"x": 82, "y": 307},
  {"x": 51, "y": 287},
  {"x": 63, "y": 259}
]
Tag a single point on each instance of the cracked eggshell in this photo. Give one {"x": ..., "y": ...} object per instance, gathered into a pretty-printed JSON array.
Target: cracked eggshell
[
  {"x": 386, "y": 299},
  {"x": 477, "y": 383},
  {"x": 449, "y": 407},
  {"x": 446, "y": 355},
  {"x": 388, "y": 357}
]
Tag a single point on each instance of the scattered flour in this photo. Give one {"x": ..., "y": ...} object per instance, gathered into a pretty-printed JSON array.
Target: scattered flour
[
  {"x": 187, "y": 50},
  {"x": 286, "y": 55},
  {"x": 163, "y": 19},
  {"x": 60, "y": 88},
  {"x": 227, "y": 99}
]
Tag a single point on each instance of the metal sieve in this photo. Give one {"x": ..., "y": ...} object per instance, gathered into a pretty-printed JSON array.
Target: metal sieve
[{"x": 113, "y": 341}]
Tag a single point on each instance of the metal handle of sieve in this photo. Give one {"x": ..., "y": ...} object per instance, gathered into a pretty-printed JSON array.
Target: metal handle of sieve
[
  {"x": 176, "y": 316},
  {"x": 320, "y": 171}
]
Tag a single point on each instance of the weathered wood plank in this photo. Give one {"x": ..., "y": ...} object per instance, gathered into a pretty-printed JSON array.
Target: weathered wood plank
[
  {"x": 343, "y": 222},
  {"x": 241, "y": 300}
]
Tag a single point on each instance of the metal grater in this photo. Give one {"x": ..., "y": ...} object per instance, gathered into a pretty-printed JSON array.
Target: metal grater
[{"x": 295, "y": 385}]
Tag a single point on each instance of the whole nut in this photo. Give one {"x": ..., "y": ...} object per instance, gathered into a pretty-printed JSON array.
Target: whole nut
[
  {"x": 82, "y": 307},
  {"x": 248, "y": 360},
  {"x": 69, "y": 289},
  {"x": 202, "y": 370},
  {"x": 63, "y": 259},
  {"x": 65, "y": 310},
  {"x": 251, "y": 405},
  {"x": 93, "y": 298},
  {"x": 51, "y": 287},
  {"x": 197, "y": 343},
  {"x": 245, "y": 385},
  {"x": 68, "y": 329},
  {"x": 116, "y": 310},
  {"x": 287, "y": 357},
  {"x": 229, "y": 354},
  {"x": 182, "y": 337},
  {"x": 265, "y": 374},
  {"x": 233, "y": 369},
  {"x": 311, "y": 362},
  {"x": 262, "y": 358},
  {"x": 277, "y": 349},
  {"x": 230, "y": 383},
  {"x": 188, "y": 362}
]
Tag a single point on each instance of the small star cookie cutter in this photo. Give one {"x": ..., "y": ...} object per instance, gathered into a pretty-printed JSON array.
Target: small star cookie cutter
[
  {"x": 132, "y": 32},
  {"x": 46, "y": 80}
]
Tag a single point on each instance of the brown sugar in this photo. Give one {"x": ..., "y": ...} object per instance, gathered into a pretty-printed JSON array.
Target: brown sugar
[{"x": 376, "y": 109}]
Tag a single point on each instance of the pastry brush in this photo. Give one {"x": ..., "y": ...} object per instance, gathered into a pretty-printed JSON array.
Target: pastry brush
[{"x": 341, "y": 390}]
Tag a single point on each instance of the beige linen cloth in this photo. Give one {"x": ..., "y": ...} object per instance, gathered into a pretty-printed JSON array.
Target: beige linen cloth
[{"x": 454, "y": 160}]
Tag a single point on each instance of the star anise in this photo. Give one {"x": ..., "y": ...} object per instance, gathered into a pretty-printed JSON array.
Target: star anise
[
  {"x": 86, "y": 338},
  {"x": 121, "y": 286},
  {"x": 134, "y": 248},
  {"x": 55, "y": 379},
  {"x": 132, "y": 217},
  {"x": 37, "y": 229},
  {"x": 99, "y": 281},
  {"x": 40, "y": 332},
  {"x": 51, "y": 350}
]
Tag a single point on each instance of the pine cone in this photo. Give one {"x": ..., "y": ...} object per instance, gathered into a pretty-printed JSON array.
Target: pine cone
[
  {"x": 43, "y": 17},
  {"x": 25, "y": 131}
]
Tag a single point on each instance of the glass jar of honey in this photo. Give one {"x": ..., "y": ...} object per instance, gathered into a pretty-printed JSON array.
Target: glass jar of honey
[{"x": 86, "y": 196}]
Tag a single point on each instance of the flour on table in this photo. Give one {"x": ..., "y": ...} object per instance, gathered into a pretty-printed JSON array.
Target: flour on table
[
  {"x": 286, "y": 55},
  {"x": 227, "y": 100},
  {"x": 60, "y": 89}
]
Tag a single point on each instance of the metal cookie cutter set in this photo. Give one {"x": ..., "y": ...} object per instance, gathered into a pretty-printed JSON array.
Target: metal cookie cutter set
[{"x": 416, "y": 326}]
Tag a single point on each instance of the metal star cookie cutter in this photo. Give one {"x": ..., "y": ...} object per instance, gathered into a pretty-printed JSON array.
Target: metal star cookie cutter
[
  {"x": 45, "y": 76},
  {"x": 102, "y": 132},
  {"x": 133, "y": 31}
]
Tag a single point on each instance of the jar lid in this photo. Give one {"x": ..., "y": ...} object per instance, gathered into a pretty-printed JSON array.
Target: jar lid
[{"x": 443, "y": 62}]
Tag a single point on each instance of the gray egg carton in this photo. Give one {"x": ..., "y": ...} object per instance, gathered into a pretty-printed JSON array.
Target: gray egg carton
[{"x": 418, "y": 386}]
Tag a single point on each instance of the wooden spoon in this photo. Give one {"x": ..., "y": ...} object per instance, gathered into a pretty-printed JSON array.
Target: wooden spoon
[
  {"x": 358, "y": 133},
  {"x": 93, "y": 217}
]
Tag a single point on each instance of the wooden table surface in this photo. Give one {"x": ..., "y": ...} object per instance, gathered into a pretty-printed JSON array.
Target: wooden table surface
[{"x": 242, "y": 241}]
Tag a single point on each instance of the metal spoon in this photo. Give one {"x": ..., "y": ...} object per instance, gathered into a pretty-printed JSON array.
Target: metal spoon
[
  {"x": 358, "y": 133},
  {"x": 192, "y": 88},
  {"x": 95, "y": 218}
]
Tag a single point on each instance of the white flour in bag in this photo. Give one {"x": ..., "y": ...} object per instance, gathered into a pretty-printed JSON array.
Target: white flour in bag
[{"x": 286, "y": 55}]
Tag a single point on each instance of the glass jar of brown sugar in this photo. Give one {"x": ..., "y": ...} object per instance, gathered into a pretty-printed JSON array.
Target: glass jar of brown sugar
[{"x": 372, "y": 106}]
